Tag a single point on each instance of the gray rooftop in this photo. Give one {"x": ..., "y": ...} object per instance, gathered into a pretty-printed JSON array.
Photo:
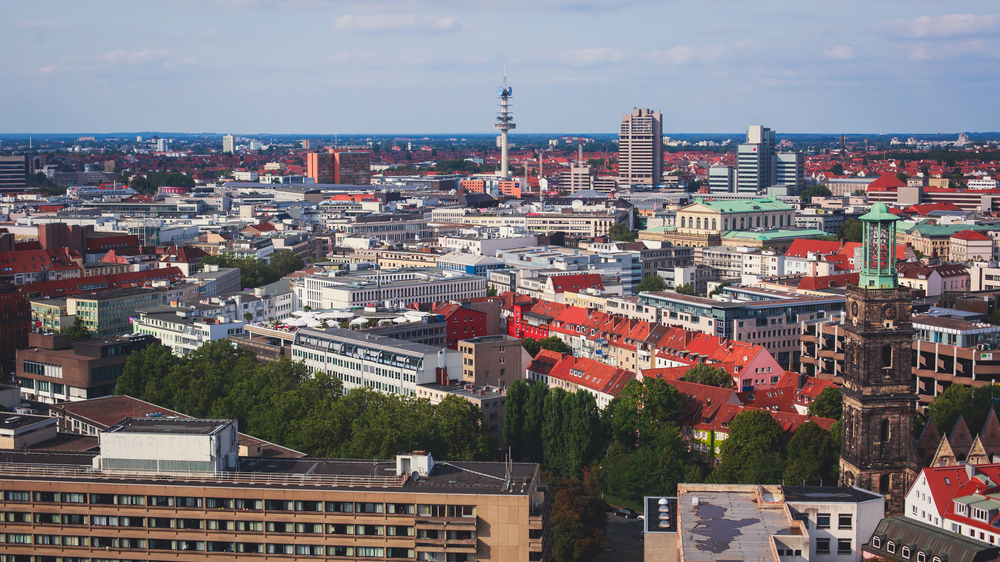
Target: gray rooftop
[
  {"x": 727, "y": 524},
  {"x": 366, "y": 339}
]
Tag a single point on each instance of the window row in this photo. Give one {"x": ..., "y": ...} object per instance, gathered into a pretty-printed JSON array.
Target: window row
[{"x": 429, "y": 510}]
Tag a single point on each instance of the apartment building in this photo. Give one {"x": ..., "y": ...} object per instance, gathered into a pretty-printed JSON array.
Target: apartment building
[
  {"x": 177, "y": 489},
  {"x": 399, "y": 287},
  {"x": 770, "y": 319},
  {"x": 50, "y": 314},
  {"x": 389, "y": 227},
  {"x": 214, "y": 280},
  {"x": 54, "y": 369},
  {"x": 946, "y": 349},
  {"x": 971, "y": 246},
  {"x": 106, "y": 314},
  {"x": 186, "y": 328},
  {"x": 367, "y": 360}
]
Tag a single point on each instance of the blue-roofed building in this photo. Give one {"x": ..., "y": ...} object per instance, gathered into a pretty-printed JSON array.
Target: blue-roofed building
[{"x": 469, "y": 263}]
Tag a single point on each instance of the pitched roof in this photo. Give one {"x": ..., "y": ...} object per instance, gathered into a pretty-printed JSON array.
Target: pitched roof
[
  {"x": 588, "y": 373},
  {"x": 827, "y": 281},
  {"x": 545, "y": 361},
  {"x": 970, "y": 235},
  {"x": 67, "y": 287},
  {"x": 36, "y": 261},
  {"x": 576, "y": 283},
  {"x": 925, "y": 209},
  {"x": 105, "y": 243},
  {"x": 886, "y": 182},
  {"x": 801, "y": 248}
]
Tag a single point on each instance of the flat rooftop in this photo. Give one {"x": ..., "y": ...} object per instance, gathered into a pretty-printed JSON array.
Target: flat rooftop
[
  {"x": 446, "y": 477},
  {"x": 827, "y": 494},
  {"x": 727, "y": 524},
  {"x": 168, "y": 425}
]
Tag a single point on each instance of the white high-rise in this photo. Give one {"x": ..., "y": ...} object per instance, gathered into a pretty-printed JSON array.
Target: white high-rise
[
  {"x": 640, "y": 148},
  {"x": 756, "y": 162},
  {"x": 229, "y": 144}
]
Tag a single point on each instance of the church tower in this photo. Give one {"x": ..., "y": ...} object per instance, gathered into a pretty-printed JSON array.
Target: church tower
[{"x": 878, "y": 451}]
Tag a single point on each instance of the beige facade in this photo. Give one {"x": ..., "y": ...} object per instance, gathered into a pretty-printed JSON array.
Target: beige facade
[
  {"x": 966, "y": 250},
  {"x": 327, "y": 515},
  {"x": 640, "y": 147},
  {"x": 494, "y": 361}
]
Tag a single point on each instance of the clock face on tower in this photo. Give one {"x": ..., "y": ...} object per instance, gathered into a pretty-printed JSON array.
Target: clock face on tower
[
  {"x": 889, "y": 311},
  {"x": 854, "y": 308}
]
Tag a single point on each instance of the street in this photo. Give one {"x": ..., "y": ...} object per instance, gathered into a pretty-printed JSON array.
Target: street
[{"x": 622, "y": 544}]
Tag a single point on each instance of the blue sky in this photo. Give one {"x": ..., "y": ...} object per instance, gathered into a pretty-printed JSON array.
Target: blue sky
[{"x": 405, "y": 66}]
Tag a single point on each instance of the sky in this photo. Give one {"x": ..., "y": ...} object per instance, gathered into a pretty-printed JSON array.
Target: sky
[{"x": 433, "y": 66}]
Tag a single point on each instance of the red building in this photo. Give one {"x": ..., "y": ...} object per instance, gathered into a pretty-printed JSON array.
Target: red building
[
  {"x": 463, "y": 323},
  {"x": 15, "y": 324}
]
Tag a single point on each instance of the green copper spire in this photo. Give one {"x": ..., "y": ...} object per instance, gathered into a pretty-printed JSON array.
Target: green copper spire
[{"x": 879, "y": 252}]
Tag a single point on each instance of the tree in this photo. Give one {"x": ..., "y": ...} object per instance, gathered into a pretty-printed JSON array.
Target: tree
[
  {"x": 640, "y": 411},
  {"x": 619, "y": 232},
  {"x": 578, "y": 521},
  {"x": 860, "y": 192},
  {"x": 552, "y": 343},
  {"x": 513, "y": 418},
  {"x": 685, "y": 289},
  {"x": 829, "y": 404},
  {"x": 651, "y": 284},
  {"x": 851, "y": 231},
  {"x": 491, "y": 291},
  {"x": 711, "y": 376},
  {"x": 719, "y": 288},
  {"x": 837, "y": 169},
  {"x": 814, "y": 191},
  {"x": 247, "y": 317},
  {"x": 754, "y": 451},
  {"x": 77, "y": 331},
  {"x": 812, "y": 460},
  {"x": 949, "y": 405}
]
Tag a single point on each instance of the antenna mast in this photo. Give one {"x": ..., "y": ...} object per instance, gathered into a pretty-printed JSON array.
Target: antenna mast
[{"x": 505, "y": 122}]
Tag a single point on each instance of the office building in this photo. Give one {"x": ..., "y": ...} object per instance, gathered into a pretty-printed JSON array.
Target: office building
[
  {"x": 756, "y": 161},
  {"x": 229, "y": 144},
  {"x": 14, "y": 325},
  {"x": 790, "y": 170},
  {"x": 640, "y": 148},
  {"x": 178, "y": 489},
  {"x": 321, "y": 166},
  {"x": 339, "y": 167},
  {"x": 106, "y": 314},
  {"x": 12, "y": 173},
  {"x": 381, "y": 363},
  {"x": 722, "y": 179},
  {"x": 186, "y": 328},
  {"x": 54, "y": 369}
]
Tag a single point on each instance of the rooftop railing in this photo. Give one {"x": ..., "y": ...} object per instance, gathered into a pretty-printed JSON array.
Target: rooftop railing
[{"x": 41, "y": 471}]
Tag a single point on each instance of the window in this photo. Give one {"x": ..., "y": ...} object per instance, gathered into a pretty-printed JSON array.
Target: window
[
  {"x": 877, "y": 541},
  {"x": 886, "y": 433},
  {"x": 823, "y": 521},
  {"x": 905, "y": 552},
  {"x": 367, "y": 507},
  {"x": 822, "y": 546},
  {"x": 188, "y": 502},
  {"x": 921, "y": 557},
  {"x": 845, "y": 521},
  {"x": 399, "y": 508},
  {"x": 890, "y": 547},
  {"x": 844, "y": 546},
  {"x": 13, "y": 496},
  {"x": 886, "y": 356}
]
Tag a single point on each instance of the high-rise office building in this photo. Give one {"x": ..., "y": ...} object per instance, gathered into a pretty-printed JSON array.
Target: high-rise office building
[
  {"x": 352, "y": 168},
  {"x": 791, "y": 169},
  {"x": 722, "y": 179},
  {"x": 12, "y": 170},
  {"x": 229, "y": 144},
  {"x": 640, "y": 148},
  {"x": 756, "y": 161}
]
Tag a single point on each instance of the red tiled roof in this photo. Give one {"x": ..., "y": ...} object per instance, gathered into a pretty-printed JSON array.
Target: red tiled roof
[
  {"x": 588, "y": 373},
  {"x": 886, "y": 182},
  {"x": 827, "y": 281},
  {"x": 574, "y": 283},
  {"x": 926, "y": 208},
  {"x": 67, "y": 287},
  {"x": 970, "y": 235},
  {"x": 35, "y": 261},
  {"x": 801, "y": 247},
  {"x": 545, "y": 361}
]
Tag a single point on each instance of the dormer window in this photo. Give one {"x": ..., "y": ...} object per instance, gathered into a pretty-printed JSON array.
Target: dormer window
[
  {"x": 904, "y": 552},
  {"x": 890, "y": 547},
  {"x": 921, "y": 557},
  {"x": 877, "y": 541}
]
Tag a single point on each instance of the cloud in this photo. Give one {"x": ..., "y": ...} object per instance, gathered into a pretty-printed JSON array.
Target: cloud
[
  {"x": 378, "y": 23},
  {"x": 30, "y": 24},
  {"x": 410, "y": 58},
  {"x": 51, "y": 69},
  {"x": 840, "y": 52},
  {"x": 953, "y": 25},
  {"x": 146, "y": 57},
  {"x": 968, "y": 50},
  {"x": 683, "y": 54},
  {"x": 590, "y": 57}
]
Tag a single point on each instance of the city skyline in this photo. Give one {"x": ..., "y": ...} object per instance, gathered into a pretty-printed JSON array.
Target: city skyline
[{"x": 324, "y": 67}]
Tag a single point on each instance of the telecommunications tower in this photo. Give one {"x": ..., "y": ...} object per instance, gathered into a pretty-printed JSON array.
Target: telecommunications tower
[{"x": 505, "y": 122}]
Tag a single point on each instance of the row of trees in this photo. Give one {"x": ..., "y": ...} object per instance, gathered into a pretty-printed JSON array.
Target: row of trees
[
  {"x": 282, "y": 403},
  {"x": 254, "y": 272},
  {"x": 155, "y": 180},
  {"x": 551, "y": 343}
]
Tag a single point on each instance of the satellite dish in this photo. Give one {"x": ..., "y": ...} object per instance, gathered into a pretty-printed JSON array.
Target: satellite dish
[{"x": 499, "y": 90}]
